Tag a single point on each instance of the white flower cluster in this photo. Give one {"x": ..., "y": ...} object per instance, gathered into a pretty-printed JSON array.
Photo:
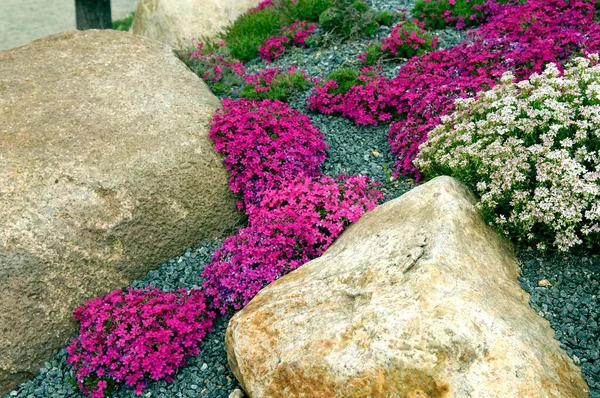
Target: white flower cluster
[{"x": 532, "y": 151}]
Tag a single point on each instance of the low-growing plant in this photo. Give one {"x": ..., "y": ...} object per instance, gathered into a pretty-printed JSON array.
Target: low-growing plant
[
  {"x": 407, "y": 40},
  {"x": 349, "y": 18},
  {"x": 303, "y": 10},
  {"x": 261, "y": 6},
  {"x": 532, "y": 151},
  {"x": 345, "y": 78},
  {"x": 290, "y": 226},
  {"x": 265, "y": 143},
  {"x": 363, "y": 96},
  {"x": 244, "y": 36},
  {"x": 293, "y": 35},
  {"x": 134, "y": 336},
  {"x": 274, "y": 84},
  {"x": 386, "y": 18},
  {"x": 124, "y": 23},
  {"x": 439, "y": 14},
  {"x": 220, "y": 71},
  {"x": 251, "y": 30}
]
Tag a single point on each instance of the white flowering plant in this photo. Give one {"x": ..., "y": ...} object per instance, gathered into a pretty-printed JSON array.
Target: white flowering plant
[{"x": 531, "y": 150}]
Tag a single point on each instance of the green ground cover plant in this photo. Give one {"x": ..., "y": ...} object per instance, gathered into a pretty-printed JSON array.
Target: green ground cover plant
[
  {"x": 440, "y": 14},
  {"x": 274, "y": 85},
  {"x": 250, "y": 31},
  {"x": 125, "y": 23},
  {"x": 223, "y": 74},
  {"x": 349, "y": 18}
]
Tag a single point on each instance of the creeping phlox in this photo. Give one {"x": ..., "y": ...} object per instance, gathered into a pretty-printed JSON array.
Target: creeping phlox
[
  {"x": 265, "y": 143},
  {"x": 137, "y": 335},
  {"x": 406, "y": 40},
  {"x": 293, "y": 35},
  {"x": 290, "y": 226},
  {"x": 532, "y": 151}
]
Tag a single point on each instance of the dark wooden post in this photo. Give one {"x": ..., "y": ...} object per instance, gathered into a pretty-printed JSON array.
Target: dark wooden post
[{"x": 93, "y": 14}]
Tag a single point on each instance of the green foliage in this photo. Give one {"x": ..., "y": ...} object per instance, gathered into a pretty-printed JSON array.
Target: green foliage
[
  {"x": 345, "y": 18},
  {"x": 125, "y": 23},
  {"x": 386, "y": 18},
  {"x": 424, "y": 9},
  {"x": 345, "y": 78},
  {"x": 349, "y": 18},
  {"x": 250, "y": 31},
  {"x": 303, "y": 10},
  {"x": 373, "y": 53},
  {"x": 280, "y": 88}
]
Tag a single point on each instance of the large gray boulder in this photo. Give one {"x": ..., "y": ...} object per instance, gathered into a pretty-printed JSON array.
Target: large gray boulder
[
  {"x": 418, "y": 299},
  {"x": 177, "y": 22},
  {"x": 106, "y": 170}
]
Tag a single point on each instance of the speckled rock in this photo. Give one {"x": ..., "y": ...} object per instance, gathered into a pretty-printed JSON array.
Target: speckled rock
[
  {"x": 106, "y": 170},
  {"x": 419, "y": 298},
  {"x": 176, "y": 22}
]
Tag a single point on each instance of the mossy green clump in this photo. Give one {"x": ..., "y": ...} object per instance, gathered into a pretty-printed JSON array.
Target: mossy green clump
[
  {"x": 440, "y": 14},
  {"x": 349, "y": 18},
  {"x": 125, "y": 23},
  {"x": 345, "y": 78},
  {"x": 212, "y": 63},
  {"x": 250, "y": 31},
  {"x": 386, "y": 18},
  {"x": 373, "y": 54},
  {"x": 304, "y": 10},
  {"x": 281, "y": 87}
]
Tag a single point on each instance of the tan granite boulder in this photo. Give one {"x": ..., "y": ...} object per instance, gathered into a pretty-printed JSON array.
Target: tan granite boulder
[
  {"x": 106, "y": 170},
  {"x": 419, "y": 298},
  {"x": 177, "y": 22}
]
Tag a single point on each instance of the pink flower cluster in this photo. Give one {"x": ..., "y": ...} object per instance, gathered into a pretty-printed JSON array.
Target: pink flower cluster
[
  {"x": 365, "y": 103},
  {"x": 290, "y": 226},
  {"x": 294, "y": 212},
  {"x": 518, "y": 37},
  {"x": 135, "y": 336},
  {"x": 293, "y": 35},
  {"x": 265, "y": 143},
  {"x": 401, "y": 39}
]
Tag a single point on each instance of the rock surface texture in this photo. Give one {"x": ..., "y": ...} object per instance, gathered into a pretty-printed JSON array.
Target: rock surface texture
[
  {"x": 106, "y": 170},
  {"x": 176, "y": 22},
  {"x": 417, "y": 299}
]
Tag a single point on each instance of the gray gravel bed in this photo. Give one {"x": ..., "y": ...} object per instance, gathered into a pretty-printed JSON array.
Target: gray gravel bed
[{"x": 570, "y": 302}]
